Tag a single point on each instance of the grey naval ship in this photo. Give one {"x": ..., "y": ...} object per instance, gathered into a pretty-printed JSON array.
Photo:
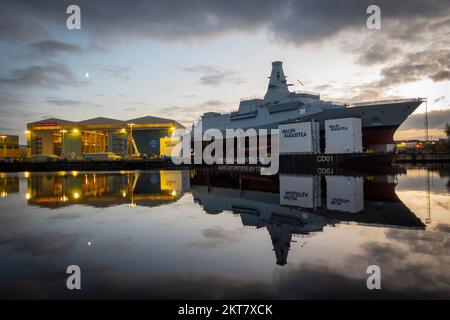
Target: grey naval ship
[{"x": 380, "y": 119}]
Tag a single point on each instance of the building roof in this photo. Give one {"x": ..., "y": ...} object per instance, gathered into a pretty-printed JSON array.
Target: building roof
[
  {"x": 58, "y": 122},
  {"x": 102, "y": 121},
  {"x": 153, "y": 120},
  {"x": 106, "y": 121}
]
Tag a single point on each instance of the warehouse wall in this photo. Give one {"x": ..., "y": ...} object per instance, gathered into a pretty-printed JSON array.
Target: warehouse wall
[
  {"x": 72, "y": 145},
  {"x": 147, "y": 141}
]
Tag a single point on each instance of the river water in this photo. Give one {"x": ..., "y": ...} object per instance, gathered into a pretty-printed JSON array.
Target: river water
[{"x": 216, "y": 234}]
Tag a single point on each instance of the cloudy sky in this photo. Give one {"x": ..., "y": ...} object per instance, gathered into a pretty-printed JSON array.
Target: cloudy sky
[{"x": 181, "y": 58}]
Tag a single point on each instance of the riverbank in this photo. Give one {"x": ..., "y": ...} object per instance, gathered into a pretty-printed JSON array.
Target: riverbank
[
  {"x": 286, "y": 162},
  {"x": 423, "y": 158},
  {"x": 87, "y": 165}
]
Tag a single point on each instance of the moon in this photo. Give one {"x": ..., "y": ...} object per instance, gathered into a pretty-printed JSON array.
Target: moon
[{"x": 87, "y": 75}]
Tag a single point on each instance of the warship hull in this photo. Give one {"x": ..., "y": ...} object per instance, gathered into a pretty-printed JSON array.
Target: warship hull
[{"x": 379, "y": 121}]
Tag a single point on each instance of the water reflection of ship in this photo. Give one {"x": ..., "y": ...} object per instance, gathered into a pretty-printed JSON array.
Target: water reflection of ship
[
  {"x": 107, "y": 189},
  {"x": 299, "y": 206}
]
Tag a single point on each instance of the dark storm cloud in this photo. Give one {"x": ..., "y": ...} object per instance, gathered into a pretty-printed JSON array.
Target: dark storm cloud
[
  {"x": 51, "y": 47},
  {"x": 118, "y": 20},
  {"x": 316, "y": 20},
  {"x": 17, "y": 24},
  {"x": 411, "y": 67},
  {"x": 378, "y": 53},
  {"x": 122, "y": 73},
  {"x": 16, "y": 108},
  {"x": 292, "y": 21},
  {"x": 212, "y": 103},
  {"x": 442, "y": 75},
  {"x": 436, "y": 120},
  {"x": 439, "y": 99},
  {"x": 63, "y": 102},
  {"x": 187, "y": 115},
  {"x": 214, "y": 76},
  {"x": 432, "y": 64},
  {"x": 52, "y": 75}
]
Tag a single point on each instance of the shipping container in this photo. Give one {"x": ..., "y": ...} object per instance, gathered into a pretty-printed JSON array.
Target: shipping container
[
  {"x": 167, "y": 144},
  {"x": 343, "y": 136},
  {"x": 345, "y": 193},
  {"x": 300, "y": 191},
  {"x": 299, "y": 137}
]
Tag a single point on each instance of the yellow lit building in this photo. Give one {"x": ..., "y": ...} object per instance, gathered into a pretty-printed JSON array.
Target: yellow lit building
[
  {"x": 9, "y": 147},
  {"x": 73, "y": 140}
]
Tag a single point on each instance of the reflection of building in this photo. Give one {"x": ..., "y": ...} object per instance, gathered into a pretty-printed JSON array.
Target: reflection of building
[
  {"x": 9, "y": 146},
  {"x": 8, "y": 184},
  {"x": 365, "y": 201},
  {"x": 149, "y": 189},
  {"x": 98, "y": 135}
]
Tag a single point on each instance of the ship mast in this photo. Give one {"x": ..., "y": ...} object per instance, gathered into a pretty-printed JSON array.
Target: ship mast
[{"x": 277, "y": 91}]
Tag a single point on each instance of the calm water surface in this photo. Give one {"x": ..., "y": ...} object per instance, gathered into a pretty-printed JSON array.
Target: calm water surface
[{"x": 219, "y": 234}]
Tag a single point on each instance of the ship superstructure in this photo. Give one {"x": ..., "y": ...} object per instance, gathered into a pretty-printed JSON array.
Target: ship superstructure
[{"x": 380, "y": 119}]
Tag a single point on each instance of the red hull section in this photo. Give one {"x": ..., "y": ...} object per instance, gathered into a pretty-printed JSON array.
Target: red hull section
[{"x": 378, "y": 135}]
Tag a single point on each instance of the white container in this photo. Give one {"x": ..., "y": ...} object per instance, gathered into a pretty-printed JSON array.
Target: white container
[
  {"x": 166, "y": 146},
  {"x": 300, "y": 137},
  {"x": 345, "y": 193},
  {"x": 300, "y": 191},
  {"x": 343, "y": 136}
]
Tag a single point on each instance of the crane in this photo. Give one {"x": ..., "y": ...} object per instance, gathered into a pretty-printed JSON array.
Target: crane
[{"x": 133, "y": 143}]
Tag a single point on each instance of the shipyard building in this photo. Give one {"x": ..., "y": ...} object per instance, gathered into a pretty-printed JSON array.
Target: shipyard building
[
  {"x": 78, "y": 140},
  {"x": 9, "y": 147}
]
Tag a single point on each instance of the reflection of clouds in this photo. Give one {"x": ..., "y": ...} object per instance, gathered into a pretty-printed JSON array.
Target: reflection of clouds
[
  {"x": 121, "y": 245},
  {"x": 443, "y": 204},
  {"x": 417, "y": 202},
  {"x": 405, "y": 273},
  {"x": 217, "y": 236},
  {"x": 61, "y": 217},
  {"x": 304, "y": 281},
  {"x": 433, "y": 243},
  {"x": 415, "y": 264},
  {"x": 51, "y": 243},
  {"x": 382, "y": 252},
  {"x": 45, "y": 282},
  {"x": 443, "y": 227}
]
